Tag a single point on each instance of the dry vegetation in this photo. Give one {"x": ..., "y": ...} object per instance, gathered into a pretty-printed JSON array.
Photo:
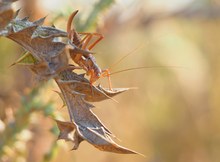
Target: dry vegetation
[{"x": 172, "y": 117}]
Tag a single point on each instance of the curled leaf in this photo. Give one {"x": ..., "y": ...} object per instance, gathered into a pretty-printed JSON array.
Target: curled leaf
[
  {"x": 87, "y": 124},
  {"x": 68, "y": 133},
  {"x": 48, "y": 59},
  {"x": 78, "y": 83},
  {"x": 49, "y": 52}
]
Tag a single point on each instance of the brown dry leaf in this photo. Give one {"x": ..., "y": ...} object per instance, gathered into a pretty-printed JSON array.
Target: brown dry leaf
[
  {"x": 42, "y": 42},
  {"x": 49, "y": 51},
  {"x": 103, "y": 141},
  {"x": 89, "y": 127},
  {"x": 68, "y": 133},
  {"x": 79, "y": 84},
  {"x": 6, "y": 13}
]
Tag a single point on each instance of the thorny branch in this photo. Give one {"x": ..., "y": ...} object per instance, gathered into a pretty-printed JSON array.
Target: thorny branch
[{"x": 48, "y": 47}]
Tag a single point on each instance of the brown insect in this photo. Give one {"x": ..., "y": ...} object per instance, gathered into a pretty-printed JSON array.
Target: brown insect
[{"x": 86, "y": 60}]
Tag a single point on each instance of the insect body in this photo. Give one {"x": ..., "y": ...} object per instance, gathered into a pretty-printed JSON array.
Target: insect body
[{"x": 86, "y": 60}]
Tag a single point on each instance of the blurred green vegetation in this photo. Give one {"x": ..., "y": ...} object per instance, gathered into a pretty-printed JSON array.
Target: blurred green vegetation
[{"x": 174, "y": 114}]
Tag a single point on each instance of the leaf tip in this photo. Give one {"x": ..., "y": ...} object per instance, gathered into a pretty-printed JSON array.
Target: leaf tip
[
  {"x": 40, "y": 21},
  {"x": 11, "y": 65},
  {"x": 25, "y": 18},
  {"x": 17, "y": 13}
]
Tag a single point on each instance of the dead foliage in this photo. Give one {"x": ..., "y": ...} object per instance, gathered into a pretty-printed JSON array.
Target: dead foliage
[{"x": 46, "y": 55}]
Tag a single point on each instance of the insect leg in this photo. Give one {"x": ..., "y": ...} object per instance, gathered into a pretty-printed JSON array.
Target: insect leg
[
  {"x": 88, "y": 38},
  {"x": 106, "y": 73}
]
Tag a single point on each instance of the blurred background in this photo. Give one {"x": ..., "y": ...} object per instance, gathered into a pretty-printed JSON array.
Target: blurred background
[{"x": 172, "y": 115}]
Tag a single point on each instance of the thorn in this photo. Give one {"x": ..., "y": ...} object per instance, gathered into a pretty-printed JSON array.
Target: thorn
[
  {"x": 57, "y": 92},
  {"x": 40, "y": 21},
  {"x": 82, "y": 75},
  {"x": 23, "y": 55},
  {"x": 99, "y": 86},
  {"x": 25, "y": 18},
  {"x": 11, "y": 65},
  {"x": 62, "y": 106},
  {"x": 53, "y": 26},
  {"x": 131, "y": 88},
  {"x": 106, "y": 94},
  {"x": 59, "y": 137},
  {"x": 17, "y": 12},
  {"x": 88, "y": 104},
  {"x": 74, "y": 148},
  {"x": 62, "y": 98}
]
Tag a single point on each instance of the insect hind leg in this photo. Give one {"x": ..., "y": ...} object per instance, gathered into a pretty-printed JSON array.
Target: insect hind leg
[
  {"x": 88, "y": 37},
  {"x": 106, "y": 73}
]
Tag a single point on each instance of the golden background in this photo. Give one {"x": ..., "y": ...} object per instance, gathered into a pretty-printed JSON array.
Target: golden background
[{"x": 171, "y": 114}]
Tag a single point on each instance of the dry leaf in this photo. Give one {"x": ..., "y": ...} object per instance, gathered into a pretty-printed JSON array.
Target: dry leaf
[
  {"x": 68, "y": 133},
  {"x": 6, "y": 13},
  {"x": 42, "y": 43},
  {"x": 49, "y": 53},
  {"x": 80, "y": 85},
  {"x": 89, "y": 127}
]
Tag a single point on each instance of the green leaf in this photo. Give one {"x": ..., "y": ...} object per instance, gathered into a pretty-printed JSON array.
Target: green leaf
[{"x": 25, "y": 59}]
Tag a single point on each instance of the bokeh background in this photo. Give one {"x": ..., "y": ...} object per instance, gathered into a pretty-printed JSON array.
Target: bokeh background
[{"x": 170, "y": 115}]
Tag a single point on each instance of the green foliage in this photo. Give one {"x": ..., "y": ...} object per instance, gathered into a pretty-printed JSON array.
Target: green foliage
[
  {"x": 98, "y": 9},
  {"x": 25, "y": 59}
]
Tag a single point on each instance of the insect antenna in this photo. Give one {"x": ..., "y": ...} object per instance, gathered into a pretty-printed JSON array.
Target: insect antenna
[
  {"x": 128, "y": 54},
  {"x": 147, "y": 67}
]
